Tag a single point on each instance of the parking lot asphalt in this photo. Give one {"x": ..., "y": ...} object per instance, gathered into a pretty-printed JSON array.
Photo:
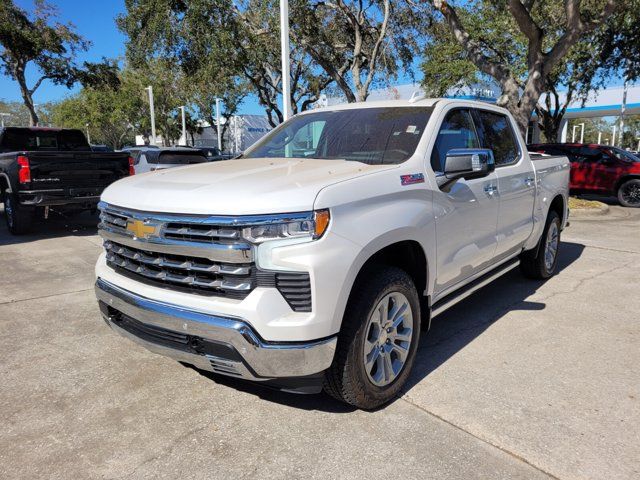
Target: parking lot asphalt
[{"x": 522, "y": 380}]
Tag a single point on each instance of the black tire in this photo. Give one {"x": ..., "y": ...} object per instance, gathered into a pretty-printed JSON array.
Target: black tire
[
  {"x": 19, "y": 219},
  {"x": 532, "y": 262},
  {"x": 346, "y": 379},
  {"x": 629, "y": 193}
]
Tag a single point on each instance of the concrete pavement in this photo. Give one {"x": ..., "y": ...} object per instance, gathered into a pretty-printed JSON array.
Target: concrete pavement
[{"x": 522, "y": 380}]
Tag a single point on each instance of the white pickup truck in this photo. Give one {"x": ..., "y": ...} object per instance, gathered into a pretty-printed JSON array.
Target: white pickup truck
[{"x": 314, "y": 259}]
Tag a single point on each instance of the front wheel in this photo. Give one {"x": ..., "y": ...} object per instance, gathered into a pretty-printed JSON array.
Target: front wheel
[
  {"x": 18, "y": 218},
  {"x": 629, "y": 193},
  {"x": 379, "y": 338},
  {"x": 540, "y": 263}
]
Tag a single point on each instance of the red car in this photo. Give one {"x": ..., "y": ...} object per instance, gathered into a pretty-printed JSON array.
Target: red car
[{"x": 599, "y": 169}]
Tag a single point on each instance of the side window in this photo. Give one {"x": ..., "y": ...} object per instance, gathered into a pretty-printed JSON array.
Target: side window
[
  {"x": 590, "y": 154},
  {"x": 456, "y": 131},
  {"x": 496, "y": 133}
]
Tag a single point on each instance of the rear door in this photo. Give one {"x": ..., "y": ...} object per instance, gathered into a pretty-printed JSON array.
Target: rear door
[
  {"x": 516, "y": 181},
  {"x": 466, "y": 213}
]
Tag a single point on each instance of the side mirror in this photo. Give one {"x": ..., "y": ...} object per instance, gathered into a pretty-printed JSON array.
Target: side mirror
[{"x": 467, "y": 163}]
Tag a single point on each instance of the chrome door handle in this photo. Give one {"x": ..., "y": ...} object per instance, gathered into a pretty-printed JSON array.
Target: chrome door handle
[
  {"x": 490, "y": 189},
  {"x": 529, "y": 181}
]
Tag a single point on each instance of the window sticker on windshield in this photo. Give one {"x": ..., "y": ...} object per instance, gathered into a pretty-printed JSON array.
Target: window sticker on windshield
[{"x": 411, "y": 129}]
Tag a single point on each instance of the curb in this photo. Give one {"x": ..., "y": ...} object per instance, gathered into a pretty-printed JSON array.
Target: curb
[{"x": 589, "y": 212}]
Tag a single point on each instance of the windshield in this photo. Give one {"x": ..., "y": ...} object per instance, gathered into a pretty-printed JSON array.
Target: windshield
[
  {"x": 624, "y": 155},
  {"x": 375, "y": 136}
]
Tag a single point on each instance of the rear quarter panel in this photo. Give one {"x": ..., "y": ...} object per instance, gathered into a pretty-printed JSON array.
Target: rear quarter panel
[{"x": 552, "y": 179}]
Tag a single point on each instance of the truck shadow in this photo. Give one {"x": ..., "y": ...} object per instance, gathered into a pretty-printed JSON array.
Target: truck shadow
[
  {"x": 450, "y": 333},
  {"x": 457, "y": 327},
  {"x": 59, "y": 224}
]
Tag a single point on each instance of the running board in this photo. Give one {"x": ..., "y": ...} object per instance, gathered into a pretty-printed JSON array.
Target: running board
[{"x": 450, "y": 300}]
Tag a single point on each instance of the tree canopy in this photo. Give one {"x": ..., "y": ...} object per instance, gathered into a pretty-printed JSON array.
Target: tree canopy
[
  {"x": 526, "y": 47},
  {"x": 39, "y": 40},
  {"x": 348, "y": 46}
]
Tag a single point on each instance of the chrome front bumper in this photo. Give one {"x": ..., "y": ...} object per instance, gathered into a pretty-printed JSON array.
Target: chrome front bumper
[{"x": 232, "y": 347}]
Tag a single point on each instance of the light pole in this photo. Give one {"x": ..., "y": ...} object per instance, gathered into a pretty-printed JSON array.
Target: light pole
[
  {"x": 582, "y": 133},
  {"x": 284, "y": 44},
  {"x": 218, "y": 129},
  {"x": 573, "y": 133},
  {"x": 2, "y": 115},
  {"x": 153, "y": 115},
  {"x": 613, "y": 136},
  {"x": 183, "y": 140},
  {"x": 88, "y": 136},
  {"x": 623, "y": 107},
  {"x": 599, "y": 138}
]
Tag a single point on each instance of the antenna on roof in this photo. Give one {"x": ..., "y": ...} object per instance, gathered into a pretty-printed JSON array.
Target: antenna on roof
[{"x": 415, "y": 96}]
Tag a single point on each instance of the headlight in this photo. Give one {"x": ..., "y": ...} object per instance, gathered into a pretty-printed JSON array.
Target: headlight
[{"x": 311, "y": 228}]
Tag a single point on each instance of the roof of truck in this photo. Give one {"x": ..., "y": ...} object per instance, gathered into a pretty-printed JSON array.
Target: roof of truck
[{"x": 414, "y": 102}]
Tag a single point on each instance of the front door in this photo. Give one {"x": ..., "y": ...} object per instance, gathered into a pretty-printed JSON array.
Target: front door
[{"x": 467, "y": 213}]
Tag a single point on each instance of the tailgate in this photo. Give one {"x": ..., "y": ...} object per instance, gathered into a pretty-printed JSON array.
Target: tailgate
[{"x": 86, "y": 170}]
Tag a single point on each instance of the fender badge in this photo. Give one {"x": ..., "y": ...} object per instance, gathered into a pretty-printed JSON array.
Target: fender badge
[{"x": 411, "y": 179}]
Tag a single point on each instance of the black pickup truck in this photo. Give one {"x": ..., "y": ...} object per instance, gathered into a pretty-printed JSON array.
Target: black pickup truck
[{"x": 51, "y": 167}]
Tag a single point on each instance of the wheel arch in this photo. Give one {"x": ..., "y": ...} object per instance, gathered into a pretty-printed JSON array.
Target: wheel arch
[
  {"x": 408, "y": 255},
  {"x": 558, "y": 205},
  {"x": 623, "y": 179},
  {"x": 5, "y": 184}
]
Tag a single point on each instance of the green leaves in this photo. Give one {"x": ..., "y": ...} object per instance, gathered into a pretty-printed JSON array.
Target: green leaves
[{"x": 37, "y": 39}]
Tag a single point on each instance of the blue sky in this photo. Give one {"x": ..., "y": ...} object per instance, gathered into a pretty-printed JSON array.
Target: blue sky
[{"x": 95, "y": 21}]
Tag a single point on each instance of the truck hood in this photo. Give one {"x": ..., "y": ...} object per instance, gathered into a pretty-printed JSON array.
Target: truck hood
[{"x": 235, "y": 187}]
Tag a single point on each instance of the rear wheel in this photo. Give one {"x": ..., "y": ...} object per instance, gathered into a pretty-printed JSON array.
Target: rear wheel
[
  {"x": 540, "y": 263},
  {"x": 378, "y": 341},
  {"x": 629, "y": 193},
  {"x": 18, "y": 218}
]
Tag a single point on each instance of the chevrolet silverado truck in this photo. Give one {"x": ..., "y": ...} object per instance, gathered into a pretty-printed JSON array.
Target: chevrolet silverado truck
[
  {"x": 47, "y": 167},
  {"x": 314, "y": 259}
]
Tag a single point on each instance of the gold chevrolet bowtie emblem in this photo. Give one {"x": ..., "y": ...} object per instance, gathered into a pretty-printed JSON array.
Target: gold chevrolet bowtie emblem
[{"x": 140, "y": 229}]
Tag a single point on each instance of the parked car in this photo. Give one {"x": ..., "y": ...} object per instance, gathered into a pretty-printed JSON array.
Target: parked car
[
  {"x": 318, "y": 271},
  {"x": 45, "y": 167},
  {"x": 152, "y": 159},
  {"x": 600, "y": 170},
  {"x": 213, "y": 154}
]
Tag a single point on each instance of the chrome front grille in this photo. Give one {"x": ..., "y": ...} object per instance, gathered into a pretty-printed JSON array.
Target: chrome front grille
[
  {"x": 194, "y": 253},
  {"x": 194, "y": 230},
  {"x": 194, "y": 273},
  {"x": 199, "y": 233}
]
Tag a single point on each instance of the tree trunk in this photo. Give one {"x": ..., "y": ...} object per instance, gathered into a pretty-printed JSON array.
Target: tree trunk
[
  {"x": 27, "y": 99},
  {"x": 521, "y": 111}
]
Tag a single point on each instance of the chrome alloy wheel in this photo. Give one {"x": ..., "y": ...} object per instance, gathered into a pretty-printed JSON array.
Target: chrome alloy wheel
[
  {"x": 551, "y": 246},
  {"x": 388, "y": 339}
]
